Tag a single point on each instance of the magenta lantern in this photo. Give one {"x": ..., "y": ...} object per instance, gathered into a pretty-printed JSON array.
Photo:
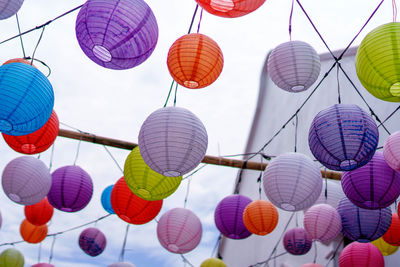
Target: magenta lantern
[
  {"x": 361, "y": 255},
  {"x": 43, "y": 265}
]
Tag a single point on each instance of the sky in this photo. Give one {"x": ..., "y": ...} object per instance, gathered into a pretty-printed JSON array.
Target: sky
[{"x": 115, "y": 103}]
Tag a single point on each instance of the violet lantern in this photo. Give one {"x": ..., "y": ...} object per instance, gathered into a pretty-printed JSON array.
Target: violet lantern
[{"x": 92, "y": 241}]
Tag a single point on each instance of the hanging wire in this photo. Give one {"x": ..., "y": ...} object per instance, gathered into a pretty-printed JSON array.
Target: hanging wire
[
  {"x": 194, "y": 16},
  {"x": 338, "y": 84},
  {"x": 295, "y": 133},
  {"x": 194, "y": 172},
  {"x": 37, "y": 44},
  {"x": 52, "y": 248},
  {"x": 43, "y": 63},
  {"x": 176, "y": 91},
  {"x": 388, "y": 117},
  {"x": 259, "y": 185},
  {"x": 334, "y": 253},
  {"x": 20, "y": 36},
  {"x": 112, "y": 157},
  {"x": 315, "y": 252},
  {"x": 40, "y": 251},
  {"x": 216, "y": 246},
  {"x": 187, "y": 193},
  {"x": 185, "y": 260},
  {"x": 51, "y": 157},
  {"x": 290, "y": 21},
  {"x": 326, "y": 186},
  {"x": 297, "y": 219},
  {"x": 201, "y": 17},
  {"x": 394, "y": 6},
  {"x": 77, "y": 151},
  {"x": 122, "y": 254},
  {"x": 266, "y": 261},
  {"x": 169, "y": 93}
]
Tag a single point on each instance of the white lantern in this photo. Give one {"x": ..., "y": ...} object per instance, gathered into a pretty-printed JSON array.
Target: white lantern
[
  {"x": 9, "y": 8},
  {"x": 172, "y": 141},
  {"x": 292, "y": 181},
  {"x": 294, "y": 66}
]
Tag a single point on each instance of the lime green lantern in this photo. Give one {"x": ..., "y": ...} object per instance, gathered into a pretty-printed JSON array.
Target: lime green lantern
[
  {"x": 213, "y": 262},
  {"x": 11, "y": 258},
  {"x": 146, "y": 183},
  {"x": 384, "y": 247},
  {"x": 378, "y": 62}
]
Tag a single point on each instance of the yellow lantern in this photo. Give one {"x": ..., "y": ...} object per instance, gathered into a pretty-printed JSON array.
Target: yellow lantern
[
  {"x": 11, "y": 257},
  {"x": 384, "y": 247},
  {"x": 213, "y": 262}
]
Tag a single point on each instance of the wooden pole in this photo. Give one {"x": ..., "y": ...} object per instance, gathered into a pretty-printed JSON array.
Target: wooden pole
[{"x": 235, "y": 163}]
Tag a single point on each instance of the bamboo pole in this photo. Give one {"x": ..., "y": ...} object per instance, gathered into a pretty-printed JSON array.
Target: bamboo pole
[{"x": 235, "y": 163}]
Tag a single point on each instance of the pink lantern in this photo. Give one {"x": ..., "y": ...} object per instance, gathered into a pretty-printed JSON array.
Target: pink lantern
[
  {"x": 121, "y": 264},
  {"x": 179, "y": 230},
  {"x": 361, "y": 255},
  {"x": 322, "y": 222},
  {"x": 312, "y": 265},
  {"x": 43, "y": 265},
  {"x": 391, "y": 151}
]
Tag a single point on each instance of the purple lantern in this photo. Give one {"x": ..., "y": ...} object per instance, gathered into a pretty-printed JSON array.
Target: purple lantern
[
  {"x": 92, "y": 241},
  {"x": 296, "y": 241},
  {"x": 71, "y": 190},
  {"x": 373, "y": 186},
  {"x": 117, "y": 34},
  {"x": 343, "y": 137},
  {"x": 229, "y": 216},
  {"x": 363, "y": 225}
]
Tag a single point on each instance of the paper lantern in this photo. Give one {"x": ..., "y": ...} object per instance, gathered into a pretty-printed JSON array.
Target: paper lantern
[
  {"x": 172, "y": 141},
  {"x": 39, "y": 213},
  {"x": 106, "y": 199},
  {"x": 230, "y": 8},
  {"x": 195, "y": 61},
  {"x": 71, "y": 190},
  {"x": 11, "y": 258},
  {"x": 19, "y": 60},
  {"x": 146, "y": 183},
  {"x": 43, "y": 265},
  {"x": 322, "y": 222},
  {"x": 92, "y": 241},
  {"x": 363, "y": 225},
  {"x": 373, "y": 186},
  {"x": 131, "y": 208},
  {"x": 121, "y": 264},
  {"x": 213, "y": 262},
  {"x": 312, "y": 265},
  {"x": 377, "y": 60},
  {"x": 9, "y": 8},
  {"x": 391, "y": 151},
  {"x": 228, "y": 216},
  {"x": 32, "y": 233},
  {"x": 26, "y": 180},
  {"x": 260, "y": 217},
  {"x": 297, "y": 241},
  {"x": 294, "y": 66},
  {"x": 343, "y": 137},
  {"x": 117, "y": 34},
  {"x": 392, "y": 235},
  {"x": 179, "y": 230},
  {"x": 35, "y": 142},
  {"x": 361, "y": 255},
  {"x": 292, "y": 181},
  {"x": 334, "y": 193},
  {"x": 29, "y": 97},
  {"x": 385, "y": 248}
]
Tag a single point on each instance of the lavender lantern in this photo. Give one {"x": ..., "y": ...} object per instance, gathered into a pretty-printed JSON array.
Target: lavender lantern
[
  {"x": 229, "y": 216},
  {"x": 117, "y": 34},
  {"x": 92, "y": 241},
  {"x": 9, "y": 8},
  {"x": 71, "y": 190},
  {"x": 343, "y": 137},
  {"x": 373, "y": 186},
  {"x": 179, "y": 230},
  {"x": 297, "y": 241},
  {"x": 363, "y": 225}
]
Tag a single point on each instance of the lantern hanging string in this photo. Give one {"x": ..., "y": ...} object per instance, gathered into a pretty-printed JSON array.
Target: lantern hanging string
[
  {"x": 39, "y": 251},
  {"x": 41, "y": 62},
  {"x": 51, "y": 157},
  {"x": 122, "y": 254},
  {"x": 266, "y": 261},
  {"x": 37, "y": 44},
  {"x": 187, "y": 193},
  {"x": 315, "y": 252},
  {"x": 388, "y": 117},
  {"x": 77, "y": 151},
  {"x": 216, "y": 245},
  {"x": 20, "y": 36},
  {"x": 326, "y": 186},
  {"x": 290, "y": 21},
  {"x": 176, "y": 91},
  {"x": 113, "y": 158},
  {"x": 169, "y": 93},
  {"x": 52, "y": 248},
  {"x": 201, "y": 17},
  {"x": 394, "y": 6},
  {"x": 193, "y": 17},
  {"x": 338, "y": 84},
  {"x": 259, "y": 185},
  {"x": 185, "y": 260},
  {"x": 194, "y": 172},
  {"x": 335, "y": 252},
  {"x": 295, "y": 132}
]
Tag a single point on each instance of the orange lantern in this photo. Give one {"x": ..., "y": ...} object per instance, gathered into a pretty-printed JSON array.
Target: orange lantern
[
  {"x": 392, "y": 235},
  {"x": 195, "y": 61},
  {"x": 32, "y": 233},
  {"x": 18, "y": 60},
  {"x": 260, "y": 217},
  {"x": 39, "y": 213}
]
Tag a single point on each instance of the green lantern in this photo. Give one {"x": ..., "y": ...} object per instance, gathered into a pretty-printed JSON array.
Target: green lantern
[
  {"x": 11, "y": 258},
  {"x": 146, "y": 183},
  {"x": 378, "y": 62}
]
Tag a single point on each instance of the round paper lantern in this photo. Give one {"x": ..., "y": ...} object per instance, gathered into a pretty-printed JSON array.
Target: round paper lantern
[
  {"x": 343, "y": 137},
  {"x": 39, "y": 213},
  {"x": 117, "y": 34},
  {"x": 312, "y": 265},
  {"x": 106, "y": 199},
  {"x": 146, "y": 183},
  {"x": 71, "y": 190},
  {"x": 35, "y": 142},
  {"x": 385, "y": 248},
  {"x": 297, "y": 241},
  {"x": 373, "y": 186},
  {"x": 195, "y": 61},
  {"x": 33, "y": 233},
  {"x": 260, "y": 217},
  {"x": 322, "y": 222},
  {"x": 29, "y": 97},
  {"x": 228, "y": 216},
  {"x": 292, "y": 181},
  {"x": 172, "y": 141},
  {"x": 392, "y": 235},
  {"x": 26, "y": 180},
  {"x": 179, "y": 230},
  {"x": 334, "y": 193},
  {"x": 230, "y": 8},
  {"x": 11, "y": 258},
  {"x": 131, "y": 208},
  {"x": 92, "y": 241},
  {"x": 19, "y": 60},
  {"x": 213, "y": 262},
  {"x": 121, "y": 264},
  {"x": 361, "y": 255},
  {"x": 294, "y": 66},
  {"x": 391, "y": 151},
  {"x": 376, "y": 62},
  {"x": 374, "y": 223},
  {"x": 43, "y": 265},
  {"x": 9, "y": 8}
]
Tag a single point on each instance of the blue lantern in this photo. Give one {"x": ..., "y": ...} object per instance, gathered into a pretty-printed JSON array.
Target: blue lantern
[{"x": 106, "y": 199}]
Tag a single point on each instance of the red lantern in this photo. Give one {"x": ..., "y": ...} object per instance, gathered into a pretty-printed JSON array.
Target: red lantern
[
  {"x": 230, "y": 8},
  {"x": 130, "y": 207},
  {"x": 392, "y": 235},
  {"x": 39, "y": 213},
  {"x": 37, "y": 141},
  {"x": 32, "y": 233},
  {"x": 18, "y": 60}
]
